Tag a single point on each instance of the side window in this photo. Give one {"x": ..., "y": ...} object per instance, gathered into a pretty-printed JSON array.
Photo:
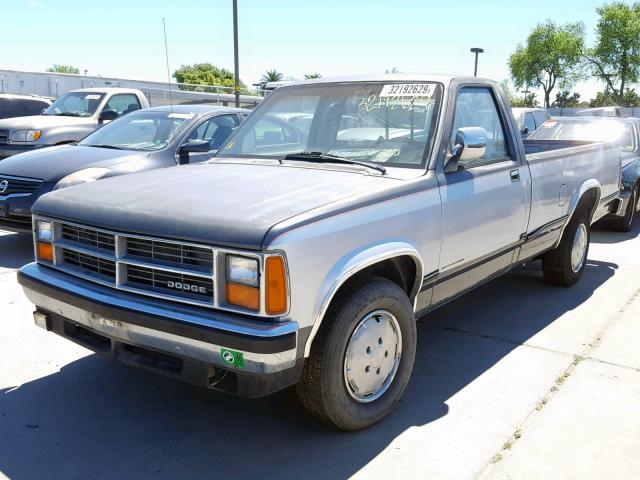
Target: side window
[
  {"x": 541, "y": 117},
  {"x": 123, "y": 103},
  {"x": 476, "y": 107},
  {"x": 215, "y": 130},
  {"x": 529, "y": 123}
]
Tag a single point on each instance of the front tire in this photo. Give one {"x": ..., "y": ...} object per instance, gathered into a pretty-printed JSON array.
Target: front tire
[
  {"x": 625, "y": 223},
  {"x": 362, "y": 357},
  {"x": 565, "y": 264}
]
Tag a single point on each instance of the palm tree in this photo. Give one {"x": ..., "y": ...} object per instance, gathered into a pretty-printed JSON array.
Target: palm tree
[
  {"x": 311, "y": 76},
  {"x": 271, "y": 76}
]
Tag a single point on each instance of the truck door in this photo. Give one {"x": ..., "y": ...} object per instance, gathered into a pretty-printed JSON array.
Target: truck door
[{"x": 484, "y": 202}]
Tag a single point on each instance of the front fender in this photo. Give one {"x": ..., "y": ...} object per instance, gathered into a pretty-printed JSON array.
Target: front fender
[{"x": 353, "y": 263}]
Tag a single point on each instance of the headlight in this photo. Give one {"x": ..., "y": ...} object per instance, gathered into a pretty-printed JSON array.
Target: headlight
[
  {"x": 26, "y": 135},
  {"x": 44, "y": 235},
  {"x": 43, "y": 231},
  {"x": 242, "y": 270},
  {"x": 82, "y": 176}
]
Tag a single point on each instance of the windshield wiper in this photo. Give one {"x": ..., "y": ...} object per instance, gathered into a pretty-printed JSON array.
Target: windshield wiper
[
  {"x": 68, "y": 114},
  {"x": 321, "y": 157},
  {"x": 104, "y": 146}
]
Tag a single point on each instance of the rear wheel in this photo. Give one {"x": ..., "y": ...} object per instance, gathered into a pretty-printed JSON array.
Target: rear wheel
[
  {"x": 362, "y": 357},
  {"x": 564, "y": 265}
]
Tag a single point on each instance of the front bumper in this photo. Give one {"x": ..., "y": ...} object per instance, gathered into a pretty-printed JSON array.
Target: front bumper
[
  {"x": 182, "y": 342},
  {"x": 15, "y": 209},
  {"x": 9, "y": 149}
]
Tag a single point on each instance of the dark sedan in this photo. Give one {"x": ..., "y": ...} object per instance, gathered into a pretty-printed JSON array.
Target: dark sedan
[{"x": 143, "y": 140}]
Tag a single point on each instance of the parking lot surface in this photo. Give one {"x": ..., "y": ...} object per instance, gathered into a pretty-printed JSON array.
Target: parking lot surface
[{"x": 517, "y": 379}]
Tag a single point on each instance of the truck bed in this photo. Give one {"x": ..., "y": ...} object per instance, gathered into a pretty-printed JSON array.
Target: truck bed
[{"x": 537, "y": 146}]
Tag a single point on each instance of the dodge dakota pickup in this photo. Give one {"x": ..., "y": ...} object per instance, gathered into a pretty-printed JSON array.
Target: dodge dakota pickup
[
  {"x": 71, "y": 117},
  {"x": 304, "y": 255}
]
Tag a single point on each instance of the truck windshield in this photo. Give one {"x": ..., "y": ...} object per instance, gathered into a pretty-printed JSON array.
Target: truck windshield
[
  {"x": 145, "y": 130},
  {"x": 375, "y": 122},
  {"x": 586, "y": 130},
  {"x": 75, "y": 104}
]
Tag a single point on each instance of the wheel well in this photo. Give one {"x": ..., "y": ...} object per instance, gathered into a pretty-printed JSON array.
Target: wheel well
[
  {"x": 588, "y": 201},
  {"x": 400, "y": 270}
]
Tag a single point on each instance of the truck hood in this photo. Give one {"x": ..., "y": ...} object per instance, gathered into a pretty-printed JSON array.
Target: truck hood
[
  {"x": 53, "y": 163},
  {"x": 41, "y": 122},
  {"x": 226, "y": 204}
]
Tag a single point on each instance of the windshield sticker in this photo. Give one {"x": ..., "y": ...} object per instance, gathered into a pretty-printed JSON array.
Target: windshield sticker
[
  {"x": 408, "y": 90},
  {"x": 549, "y": 124},
  {"x": 92, "y": 96},
  {"x": 374, "y": 102},
  {"x": 185, "y": 116}
]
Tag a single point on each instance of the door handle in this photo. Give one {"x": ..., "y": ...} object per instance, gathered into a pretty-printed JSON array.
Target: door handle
[{"x": 515, "y": 175}]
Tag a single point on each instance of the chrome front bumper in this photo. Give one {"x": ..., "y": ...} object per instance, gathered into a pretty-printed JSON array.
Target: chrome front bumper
[{"x": 182, "y": 331}]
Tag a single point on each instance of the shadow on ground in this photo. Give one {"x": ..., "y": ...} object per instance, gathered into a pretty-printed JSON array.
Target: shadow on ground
[
  {"x": 97, "y": 419},
  {"x": 600, "y": 233},
  {"x": 15, "y": 250}
]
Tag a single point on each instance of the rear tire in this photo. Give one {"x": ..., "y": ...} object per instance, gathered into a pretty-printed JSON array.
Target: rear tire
[
  {"x": 624, "y": 224},
  {"x": 362, "y": 357},
  {"x": 564, "y": 265}
]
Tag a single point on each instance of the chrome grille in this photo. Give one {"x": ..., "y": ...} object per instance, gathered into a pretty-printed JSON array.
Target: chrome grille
[
  {"x": 87, "y": 237},
  {"x": 90, "y": 264},
  {"x": 171, "y": 270},
  {"x": 169, "y": 253},
  {"x": 16, "y": 185},
  {"x": 4, "y": 136}
]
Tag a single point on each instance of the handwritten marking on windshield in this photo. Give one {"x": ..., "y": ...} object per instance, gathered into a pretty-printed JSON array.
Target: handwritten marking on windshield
[{"x": 374, "y": 102}]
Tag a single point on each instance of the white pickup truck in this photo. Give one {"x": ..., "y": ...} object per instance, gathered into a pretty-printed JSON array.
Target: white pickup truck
[
  {"x": 71, "y": 117},
  {"x": 305, "y": 252}
]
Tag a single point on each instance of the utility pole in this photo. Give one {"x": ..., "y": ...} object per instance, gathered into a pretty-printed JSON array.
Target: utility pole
[
  {"x": 235, "y": 53},
  {"x": 476, "y": 50}
]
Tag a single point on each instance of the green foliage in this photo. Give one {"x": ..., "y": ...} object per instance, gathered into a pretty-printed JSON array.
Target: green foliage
[
  {"x": 528, "y": 101},
  {"x": 204, "y": 74},
  {"x": 550, "y": 56},
  {"x": 64, "y": 69},
  {"x": 609, "y": 98},
  {"x": 615, "y": 59},
  {"x": 271, "y": 76},
  {"x": 565, "y": 99},
  {"x": 311, "y": 76}
]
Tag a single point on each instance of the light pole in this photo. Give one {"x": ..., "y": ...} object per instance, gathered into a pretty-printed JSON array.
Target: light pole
[
  {"x": 236, "y": 62},
  {"x": 476, "y": 50}
]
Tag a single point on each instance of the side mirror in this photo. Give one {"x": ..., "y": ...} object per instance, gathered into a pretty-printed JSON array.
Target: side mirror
[
  {"x": 192, "y": 146},
  {"x": 525, "y": 131},
  {"x": 108, "y": 115},
  {"x": 470, "y": 144}
]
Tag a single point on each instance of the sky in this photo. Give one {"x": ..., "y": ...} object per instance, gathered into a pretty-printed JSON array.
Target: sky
[{"x": 123, "y": 38}]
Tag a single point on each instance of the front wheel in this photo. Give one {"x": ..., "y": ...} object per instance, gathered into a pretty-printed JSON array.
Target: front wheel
[
  {"x": 564, "y": 265},
  {"x": 362, "y": 357},
  {"x": 624, "y": 224}
]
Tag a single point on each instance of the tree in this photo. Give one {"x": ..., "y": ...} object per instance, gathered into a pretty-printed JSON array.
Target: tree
[
  {"x": 204, "y": 74},
  {"x": 615, "y": 59},
  {"x": 64, "y": 69},
  {"x": 311, "y": 76},
  {"x": 551, "y": 56},
  {"x": 608, "y": 98},
  {"x": 528, "y": 101},
  {"x": 565, "y": 99},
  {"x": 271, "y": 76}
]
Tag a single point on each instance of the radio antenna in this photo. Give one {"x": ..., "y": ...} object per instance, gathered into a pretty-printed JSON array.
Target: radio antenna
[{"x": 166, "y": 56}]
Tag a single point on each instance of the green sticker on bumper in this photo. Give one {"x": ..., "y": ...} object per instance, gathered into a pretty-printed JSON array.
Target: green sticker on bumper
[{"x": 232, "y": 357}]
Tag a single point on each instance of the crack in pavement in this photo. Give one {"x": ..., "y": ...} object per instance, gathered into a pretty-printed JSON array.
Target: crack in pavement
[{"x": 560, "y": 380}]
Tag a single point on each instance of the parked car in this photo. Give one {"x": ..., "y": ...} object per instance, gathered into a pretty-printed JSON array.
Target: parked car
[
  {"x": 602, "y": 112},
  {"x": 70, "y": 118},
  {"x": 305, "y": 260},
  {"x": 143, "y": 140},
  {"x": 530, "y": 119},
  {"x": 21, "y": 105},
  {"x": 624, "y": 130}
]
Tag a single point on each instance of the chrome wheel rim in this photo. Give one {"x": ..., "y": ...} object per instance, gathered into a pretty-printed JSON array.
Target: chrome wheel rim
[
  {"x": 579, "y": 249},
  {"x": 372, "y": 356}
]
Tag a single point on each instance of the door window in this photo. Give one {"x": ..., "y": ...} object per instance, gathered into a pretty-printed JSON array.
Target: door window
[
  {"x": 476, "y": 107},
  {"x": 123, "y": 103},
  {"x": 215, "y": 130},
  {"x": 529, "y": 124}
]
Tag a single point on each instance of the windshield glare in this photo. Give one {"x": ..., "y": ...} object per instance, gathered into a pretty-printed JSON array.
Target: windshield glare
[
  {"x": 76, "y": 104},
  {"x": 598, "y": 131},
  {"x": 143, "y": 130},
  {"x": 385, "y": 123}
]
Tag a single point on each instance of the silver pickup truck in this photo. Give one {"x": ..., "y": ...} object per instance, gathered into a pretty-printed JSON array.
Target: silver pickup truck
[
  {"x": 304, "y": 253},
  {"x": 73, "y": 116}
]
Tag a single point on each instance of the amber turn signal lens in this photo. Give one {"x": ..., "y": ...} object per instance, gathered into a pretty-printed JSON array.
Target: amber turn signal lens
[
  {"x": 276, "y": 286},
  {"x": 45, "y": 251},
  {"x": 243, "y": 296}
]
